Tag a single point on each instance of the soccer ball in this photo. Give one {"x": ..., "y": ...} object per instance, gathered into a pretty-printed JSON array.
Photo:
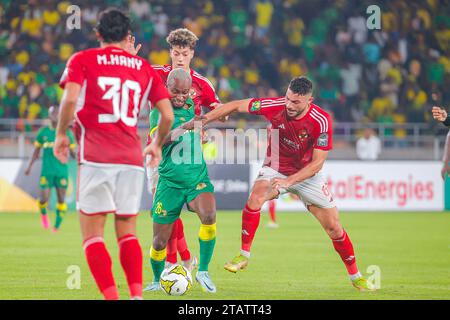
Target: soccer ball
[{"x": 176, "y": 280}]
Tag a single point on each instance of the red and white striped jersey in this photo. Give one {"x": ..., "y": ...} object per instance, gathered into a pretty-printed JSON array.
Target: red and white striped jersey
[
  {"x": 115, "y": 86},
  {"x": 202, "y": 91},
  {"x": 297, "y": 138}
]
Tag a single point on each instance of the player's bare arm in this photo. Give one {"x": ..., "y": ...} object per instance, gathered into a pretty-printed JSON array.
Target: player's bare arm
[
  {"x": 66, "y": 114},
  {"x": 34, "y": 157},
  {"x": 439, "y": 114},
  {"x": 318, "y": 159},
  {"x": 226, "y": 109}
]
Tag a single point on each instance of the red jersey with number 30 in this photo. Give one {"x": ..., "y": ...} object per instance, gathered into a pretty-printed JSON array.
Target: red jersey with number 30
[
  {"x": 115, "y": 85},
  {"x": 297, "y": 138}
]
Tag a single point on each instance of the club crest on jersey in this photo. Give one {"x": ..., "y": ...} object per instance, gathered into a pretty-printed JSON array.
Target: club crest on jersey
[
  {"x": 303, "y": 135},
  {"x": 322, "y": 141},
  {"x": 256, "y": 105}
]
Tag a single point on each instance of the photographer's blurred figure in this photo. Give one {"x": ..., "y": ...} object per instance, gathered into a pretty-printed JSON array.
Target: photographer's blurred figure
[{"x": 368, "y": 147}]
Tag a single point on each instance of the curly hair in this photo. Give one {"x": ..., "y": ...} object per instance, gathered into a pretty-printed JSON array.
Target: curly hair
[
  {"x": 182, "y": 37},
  {"x": 301, "y": 86},
  {"x": 113, "y": 25}
]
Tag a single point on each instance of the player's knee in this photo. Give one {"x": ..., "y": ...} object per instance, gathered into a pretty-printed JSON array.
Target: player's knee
[
  {"x": 256, "y": 201},
  {"x": 159, "y": 243},
  {"x": 334, "y": 230}
]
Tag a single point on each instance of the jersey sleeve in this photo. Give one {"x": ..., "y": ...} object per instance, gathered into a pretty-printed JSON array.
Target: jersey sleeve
[
  {"x": 154, "y": 118},
  {"x": 72, "y": 144},
  {"x": 158, "y": 90},
  {"x": 324, "y": 133},
  {"x": 209, "y": 96},
  {"x": 266, "y": 107},
  {"x": 75, "y": 71},
  {"x": 39, "y": 139}
]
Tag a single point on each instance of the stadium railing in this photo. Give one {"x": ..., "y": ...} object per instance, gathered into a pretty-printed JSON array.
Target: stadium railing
[{"x": 407, "y": 141}]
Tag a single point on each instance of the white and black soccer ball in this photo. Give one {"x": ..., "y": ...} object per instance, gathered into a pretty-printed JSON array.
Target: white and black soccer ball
[{"x": 176, "y": 280}]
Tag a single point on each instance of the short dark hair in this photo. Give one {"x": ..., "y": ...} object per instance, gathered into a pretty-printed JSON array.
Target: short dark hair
[
  {"x": 113, "y": 25},
  {"x": 301, "y": 86}
]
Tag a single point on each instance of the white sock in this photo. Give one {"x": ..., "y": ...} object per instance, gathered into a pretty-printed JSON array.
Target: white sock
[
  {"x": 355, "y": 276},
  {"x": 245, "y": 253}
]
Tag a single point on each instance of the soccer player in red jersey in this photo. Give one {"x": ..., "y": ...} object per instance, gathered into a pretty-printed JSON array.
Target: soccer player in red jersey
[
  {"x": 104, "y": 90},
  {"x": 293, "y": 163},
  {"x": 182, "y": 44}
]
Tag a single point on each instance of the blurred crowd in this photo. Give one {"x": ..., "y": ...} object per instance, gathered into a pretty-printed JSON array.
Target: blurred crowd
[{"x": 250, "y": 48}]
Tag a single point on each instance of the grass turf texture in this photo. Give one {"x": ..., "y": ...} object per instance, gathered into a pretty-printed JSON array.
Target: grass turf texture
[{"x": 295, "y": 261}]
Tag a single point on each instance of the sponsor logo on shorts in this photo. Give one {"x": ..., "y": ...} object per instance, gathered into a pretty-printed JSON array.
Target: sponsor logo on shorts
[
  {"x": 63, "y": 182},
  {"x": 256, "y": 105},
  {"x": 43, "y": 180},
  {"x": 322, "y": 141},
  {"x": 159, "y": 209},
  {"x": 201, "y": 186}
]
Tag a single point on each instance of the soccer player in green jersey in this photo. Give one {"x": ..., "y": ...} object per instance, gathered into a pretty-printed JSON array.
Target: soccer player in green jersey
[
  {"x": 53, "y": 173},
  {"x": 183, "y": 179}
]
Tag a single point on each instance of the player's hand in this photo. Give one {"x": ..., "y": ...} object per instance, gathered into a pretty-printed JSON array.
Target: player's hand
[
  {"x": 130, "y": 48},
  {"x": 195, "y": 123},
  {"x": 282, "y": 183},
  {"x": 439, "y": 114},
  {"x": 204, "y": 136},
  {"x": 61, "y": 148},
  {"x": 155, "y": 153},
  {"x": 28, "y": 171},
  {"x": 445, "y": 171}
]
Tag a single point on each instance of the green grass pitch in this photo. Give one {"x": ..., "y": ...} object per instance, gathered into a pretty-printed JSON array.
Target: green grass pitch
[{"x": 295, "y": 261}]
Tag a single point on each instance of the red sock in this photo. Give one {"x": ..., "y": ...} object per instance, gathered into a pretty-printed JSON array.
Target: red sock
[
  {"x": 131, "y": 260},
  {"x": 100, "y": 264},
  {"x": 344, "y": 247},
  {"x": 181, "y": 242},
  {"x": 171, "y": 248},
  {"x": 272, "y": 210},
  {"x": 250, "y": 223}
]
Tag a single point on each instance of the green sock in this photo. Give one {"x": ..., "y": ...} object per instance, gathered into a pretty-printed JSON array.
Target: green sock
[
  {"x": 206, "y": 252},
  {"x": 61, "y": 209},
  {"x": 43, "y": 207},
  {"x": 157, "y": 267}
]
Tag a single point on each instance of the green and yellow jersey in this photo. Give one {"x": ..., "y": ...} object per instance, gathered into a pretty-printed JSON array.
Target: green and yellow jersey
[
  {"x": 182, "y": 164},
  {"x": 50, "y": 165}
]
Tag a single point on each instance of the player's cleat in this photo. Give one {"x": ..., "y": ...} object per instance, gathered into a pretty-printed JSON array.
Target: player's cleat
[
  {"x": 272, "y": 225},
  {"x": 153, "y": 286},
  {"x": 363, "y": 284},
  {"x": 205, "y": 281},
  {"x": 136, "y": 298},
  {"x": 44, "y": 221},
  {"x": 55, "y": 230},
  {"x": 238, "y": 263},
  {"x": 168, "y": 265},
  {"x": 191, "y": 264}
]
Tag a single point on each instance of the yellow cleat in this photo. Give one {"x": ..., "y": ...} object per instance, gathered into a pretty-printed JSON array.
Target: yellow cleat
[
  {"x": 238, "y": 263},
  {"x": 362, "y": 284}
]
